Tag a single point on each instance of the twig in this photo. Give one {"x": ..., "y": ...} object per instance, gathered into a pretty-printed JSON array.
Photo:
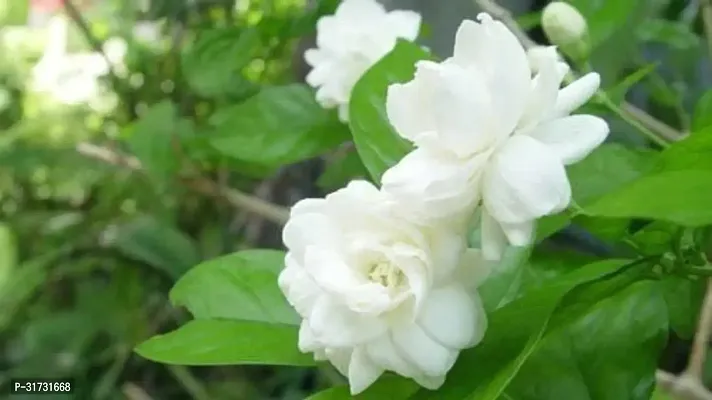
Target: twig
[
  {"x": 682, "y": 387},
  {"x": 695, "y": 365},
  {"x": 661, "y": 129},
  {"x": 134, "y": 392},
  {"x": 706, "y": 9},
  {"x": 269, "y": 211},
  {"x": 189, "y": 382}
]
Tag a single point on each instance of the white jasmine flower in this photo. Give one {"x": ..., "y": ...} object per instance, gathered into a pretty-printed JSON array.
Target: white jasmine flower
[
  {"x": 349, "y": 42},
  {"x": 485, "y": 130},
  {"x": 565, "y": 27},
  {"x": 378, "y": 292}
]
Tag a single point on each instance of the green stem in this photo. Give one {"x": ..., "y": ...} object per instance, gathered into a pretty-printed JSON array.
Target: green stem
[
  {"x": 189, "y": 382},
  {"x": 632, "y": 121}
]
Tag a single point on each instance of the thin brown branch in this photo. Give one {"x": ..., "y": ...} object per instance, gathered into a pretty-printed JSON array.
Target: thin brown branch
[
  {"x": 134, "y": 392},
  {"x": 681, "y": 387},
  {"x": 240, "y": 200},
  {"x": 660, "y": 128},
  {"x": 695, "y": 365},
  {"x": 706, "y": 10}
]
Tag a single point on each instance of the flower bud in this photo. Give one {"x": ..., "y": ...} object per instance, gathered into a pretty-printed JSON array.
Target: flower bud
[{"x": 566, "y": 28}]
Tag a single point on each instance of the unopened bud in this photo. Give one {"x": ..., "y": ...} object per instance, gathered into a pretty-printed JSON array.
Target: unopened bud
[{"x": 566, "y": 28}]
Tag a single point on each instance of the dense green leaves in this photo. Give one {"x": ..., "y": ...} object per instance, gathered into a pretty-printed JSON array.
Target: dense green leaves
[
  {"x": 608, "y": 168},
  {"x": 513, "y": 334},
  {"x": 213, "y": 62},
  {"x": 702, "y": 117},
  {"x": 239, "y": 286},
  {"x": 226, "y": 342},
  {"x": 280, "y": 125},
  {"x": 150, "y": 241},
  {"x": 377, "y": 143},
  {"x": 154, "y": 138},
  {"x": 682, "y": 197},
  {"x": 608, "y": 353}
]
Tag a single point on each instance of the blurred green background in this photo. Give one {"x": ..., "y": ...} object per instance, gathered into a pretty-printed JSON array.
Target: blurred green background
[{"x": 89, "y": 250}]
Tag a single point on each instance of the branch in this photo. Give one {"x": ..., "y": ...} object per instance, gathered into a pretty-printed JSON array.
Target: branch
[
  {"x": 660, "y": 128},
  {"x": 268, "y": 211},
  {"x": 698, "y": 356},
  {"x": 706, "y": 9},
  {"x": 681, "y": 387}
]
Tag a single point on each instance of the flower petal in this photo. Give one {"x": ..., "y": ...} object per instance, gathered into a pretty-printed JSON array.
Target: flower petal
[
  {"x": 298, "y": 287},
  {"x": 336, "y": 326},
  {"x": 433, "y": 185},
  {"x": 572, "y": 138},
  {"x": 525, "y": 180},
  {"x": 428, "y": 355},
  {"x": 408, "y": 107},
  {"x": 474, "y": 268},
  {"x": 362, "y": 371},
  {"x": 405, "y": 23},
  {"x": 448, "y": 316},
  {"x": 492, "y": 238},
  {"x": 576, "y": 94},
  {"x": 360, "y": 10},
  {"x": 545, "y": 89},
  {"x": 519, "y": 234},
  {"x": 302, "y": 230},
  {"x": 386, "y": 354}
]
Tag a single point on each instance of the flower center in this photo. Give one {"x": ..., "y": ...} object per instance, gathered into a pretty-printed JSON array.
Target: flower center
[{"x": 386, "y": 274}]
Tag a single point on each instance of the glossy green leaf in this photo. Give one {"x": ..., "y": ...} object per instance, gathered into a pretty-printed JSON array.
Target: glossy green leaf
[
  {"x": 702, "y": 117},
  {"x": 157, "y": 244},
  {"x": 682, "y": 197},
  {"x": 513, "y": 334},
  {"x": 607, "y": 169},
  {"x": 212, "y": 64},
  {"x": 378, "y": 144},
  {"x": 683, "y": 297},
  {"x": 239, "y": 286},
  {"x": 226, "y": 342},
  {"x": 280, "y": 125},
  {"x": 693, "y": 152},
  {"x": 607, "y": 353}
]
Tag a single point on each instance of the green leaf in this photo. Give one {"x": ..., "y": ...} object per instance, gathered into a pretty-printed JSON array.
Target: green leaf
[
  {"x": 386, "y": 388},
  {"x": 213, "y": 63},
  {"x": 683, "y": 297},
  {"x": 148, "y": 240},
  {"x": 512, "y": 336},
  {"x": 239, "y": 286},
  {"x": 702, "y": 117},
  {"x": 503, "y": 283},
  {"x": 225, "y": 342},
  {"x": 152, "y": 140},
  {"x": 342, "y": 170},
  {"x": 618, "y": 92},
  {"x": 378, "y": 144},
  {"x": 280, "y": 125},
  {"x": 675, "y": 34},
  {"x": 8, "y": 253},
  {"x": 608, "y": 168},
  {"x": 693, "y": 152},
  {"x": 682, "y": 197},
  {"x": 608, "y": 353}
]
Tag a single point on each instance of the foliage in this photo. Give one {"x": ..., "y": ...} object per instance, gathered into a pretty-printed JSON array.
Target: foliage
[{"x": 101, "y": 258}]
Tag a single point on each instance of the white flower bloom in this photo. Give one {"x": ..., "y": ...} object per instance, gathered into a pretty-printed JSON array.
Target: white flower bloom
[
  {"x": 349, "y": 42},
  {"x": 377, "y": 292},
  {"x": 485, "y": 130}
]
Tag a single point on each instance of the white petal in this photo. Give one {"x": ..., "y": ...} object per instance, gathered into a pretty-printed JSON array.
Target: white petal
[
  {"x": 428, "y": 355},
  {"x": 448, "y": 316},
  {"x": 448, "y": 247},
  {"x": 386, "y": 354},
  {"x": 314, "y": 57},
  {"x": 298, "y": 287},
  {"x": 362, "y": 371},
  {"x": 492, "y": 238},
  {"x": 525, "y": 180},
  {"x": 408, "y": 107},
  {"x": 336, "y": 326},
  {"x": 339, "y": 358},
  {"x": 432, "y": 184},
  {"x": 360, "y": 10},
  {"x": 405, "y": 24},
  {"x": 576, "y": 94},
  {"x": 328, "y": 33},
  {"x": 303, "y": 229},
  {"x": 474, "y": 268},
  {"x": 519, "y": 234},
  {"x": 481, "y": 322},
  {"x": 307, "y": 340},
  {"x": 572, "y": 138},
  {"x": 545, "y": 89}
]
